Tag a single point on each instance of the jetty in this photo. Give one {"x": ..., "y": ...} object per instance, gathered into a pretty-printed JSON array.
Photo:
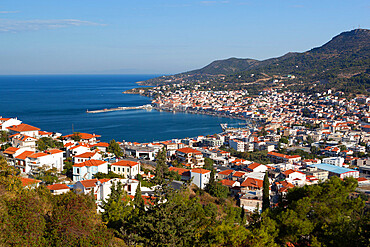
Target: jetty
[{"x": 145, "y": 107}]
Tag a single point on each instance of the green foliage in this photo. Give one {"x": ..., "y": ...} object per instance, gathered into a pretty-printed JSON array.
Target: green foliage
[
  {"x": 208, "y": 164},
  {"x": 48, "y": 176},
  {"x": 284, "y": 140},
  {"x": 161, "y": 165},
  {"x": 45, "y": 143},
  {"x": 115, "y": 148},
  {"x": 216, "y": 189},
  {"x": 68, "y": 168},
  {"x": 8, "y": 176},
  {"x": 138, "y": 199},
  {"x": 266, "y": 193},
  {"x": 110, "y": 175},
  {"x": 4, "y": 137},
  {"x": 37, "y": 218},
  {"x": 322, "y": 214},
  {"x": 257, "y": 156},
  {"x": 76, "y": 136}
]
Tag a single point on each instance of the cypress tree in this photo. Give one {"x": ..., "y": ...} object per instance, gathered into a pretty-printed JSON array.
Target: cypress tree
[
  {"x": 266, "y": 193},
  {"x": 138, "y": 199}
]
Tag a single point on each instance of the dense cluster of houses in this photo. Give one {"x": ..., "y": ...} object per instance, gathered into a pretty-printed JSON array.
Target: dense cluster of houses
[{"x": 327, "y": 124}]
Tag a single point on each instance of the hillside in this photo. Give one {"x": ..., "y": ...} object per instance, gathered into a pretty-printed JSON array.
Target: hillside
[{"x": 344, "y": 59}]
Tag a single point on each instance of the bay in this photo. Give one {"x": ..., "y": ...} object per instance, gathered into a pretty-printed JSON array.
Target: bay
[{"x": 58, "y": 103}]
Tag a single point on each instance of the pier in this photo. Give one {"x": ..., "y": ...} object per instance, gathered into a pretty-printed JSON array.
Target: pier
[{"x": 146, "y": 107}]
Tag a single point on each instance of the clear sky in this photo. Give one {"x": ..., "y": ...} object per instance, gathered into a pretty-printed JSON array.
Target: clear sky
[{"x": 163, "y": 37}]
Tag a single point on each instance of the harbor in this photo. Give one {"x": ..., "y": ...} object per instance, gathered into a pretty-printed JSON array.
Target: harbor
[{"x": 145, "y": 107}]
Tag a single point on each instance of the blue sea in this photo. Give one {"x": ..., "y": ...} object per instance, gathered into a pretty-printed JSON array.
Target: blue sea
[{"x": 58, "y": 103}]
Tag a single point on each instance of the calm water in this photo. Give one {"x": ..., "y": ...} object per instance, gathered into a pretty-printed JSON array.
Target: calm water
[{"x": 55, "y": 103}]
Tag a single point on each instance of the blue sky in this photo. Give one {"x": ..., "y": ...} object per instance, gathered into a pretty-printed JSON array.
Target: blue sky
[{"x": 162, "y": 37}]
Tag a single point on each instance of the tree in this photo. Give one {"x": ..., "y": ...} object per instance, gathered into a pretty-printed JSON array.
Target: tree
[
  {"x": 76, "y": 136},
  {"x": 216, "y": 189},
  {"x": 138, "y": 199},
  {"x": 266, "y": 193},
  {"x": 115, "y": 149},
  {"x": 4, "y": 136},
  {"x": 45, "y": 143},
  {"x": 47, "y": 175},
  {"x": 161, "y": 168},
  {"x": 208, "y": 163}
]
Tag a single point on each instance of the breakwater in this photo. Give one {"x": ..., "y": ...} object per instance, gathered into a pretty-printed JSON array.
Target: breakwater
[{"x": 146, "y": 107}]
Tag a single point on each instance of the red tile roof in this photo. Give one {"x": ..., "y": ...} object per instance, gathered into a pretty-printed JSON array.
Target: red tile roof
[
  {"x": 84, "y": 136},
  {"x": 58, "y": 187},
  {"x": 200, "y": 170},
  {"x": 90, "y": 163},
  {"x": 252, "y": 182},
  {"x": 188, "y": 151},
  {"x": 89, "y": 183},
  {"x": 254, "y": 165},
  {"x": 29, "y": 181},
  {"x": 11, "y": 150},
  {"x": 226, "y": 172},
  {"x": 54, "y": 151},
  {"x": 227, "y": 182},
  {"x": 24, "y": 155},
  {"x": 22, "y": 127},
  {"x": 125, "y": 163},
  {"x": 180, "y": 171},
  {"x": 239, "y": 174},
  {"x": 37, "y": 155},
  {"x": 86, "y": 155}
]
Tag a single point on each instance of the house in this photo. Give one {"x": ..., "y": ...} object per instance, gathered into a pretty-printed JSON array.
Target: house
[
  {"x": 256, "y": 167},
  {"x": 86, "y": 170},
  {"x": 23, "y": 141},
  {"x": 7, "y": 122},
  {"x": 30, "y": 183},
  {"x": 226, "y": 174},
  {"x": 200, "y": 177},
  {"x": 86, "y": 156},
  {"x": 251, "y": 184},
  {"x": 283, "y": 158},
  {"x": 85, "y": 138},
  {"x": 239, "y": 176},
  {"x": 38, "y": 160},
  {"x": 101, "y": 189},
  {"x": 130, "y": 169},
  {"x": 76, "y": 150},
  {"x": 190, "y": 156},
  {"x": 24, "y": 129},
  {"x": 101, "y": 146},
  {"x": 294, "y": 177},
  {"x": 185, "y": 173},
  {"x": 229, "y": 183},
  {"x": 57, "y": 156},
  {"x": 57, "y": 189},
  {"x": 21, "y": 161},
  {"x": 251, "y": 202}
]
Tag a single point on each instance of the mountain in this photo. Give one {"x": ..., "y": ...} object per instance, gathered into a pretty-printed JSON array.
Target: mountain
[{"x": 345, "y": 57}]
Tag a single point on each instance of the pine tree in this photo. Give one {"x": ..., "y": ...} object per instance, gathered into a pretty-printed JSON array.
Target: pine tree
[
  {"x": 161, "y": 167},
  {"x": 266, "y": 193}
]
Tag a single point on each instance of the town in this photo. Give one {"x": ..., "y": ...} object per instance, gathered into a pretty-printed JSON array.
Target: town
[{"x": 290, "y": 138}]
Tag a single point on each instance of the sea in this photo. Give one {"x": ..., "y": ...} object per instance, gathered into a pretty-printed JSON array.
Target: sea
[{"x": 58, "y": 103}]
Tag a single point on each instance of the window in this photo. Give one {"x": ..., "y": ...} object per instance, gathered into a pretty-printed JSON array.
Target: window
[
  {"x": 78, "y": 170},
  {"x": 114, "y": 169},
  {"x": 119, "y": 169},
  {"x": 128, "y": 169}
]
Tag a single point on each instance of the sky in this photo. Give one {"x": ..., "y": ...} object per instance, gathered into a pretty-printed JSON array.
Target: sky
[{"x": 163, "y": 37}]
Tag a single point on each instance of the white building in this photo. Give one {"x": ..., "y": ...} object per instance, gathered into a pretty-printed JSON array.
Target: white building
[
  {"x": 130, "y": 169},
  {"x": 87, "y": 169},
  {"x": 200, "y": 177},
  {"x": 336, "y": 161},
  {"x": 57, "y": 189},
  {"x": 7, "y": 122},
  {"x": 24, "y": 129}
]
